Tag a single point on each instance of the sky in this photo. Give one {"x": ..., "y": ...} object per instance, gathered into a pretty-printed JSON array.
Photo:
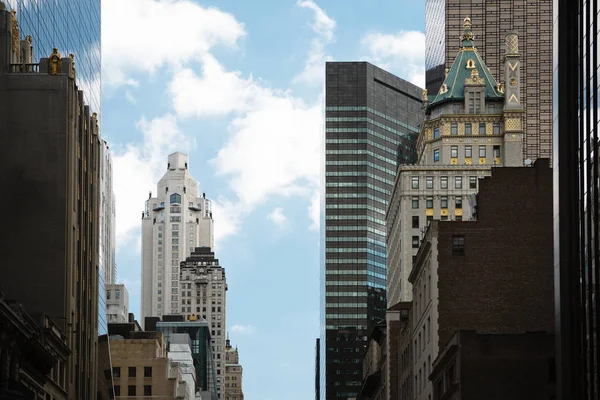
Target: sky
[{"x": 238, "y": 85}]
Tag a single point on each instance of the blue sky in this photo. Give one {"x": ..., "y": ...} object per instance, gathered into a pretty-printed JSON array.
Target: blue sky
[{"x": 238, "y": 85}]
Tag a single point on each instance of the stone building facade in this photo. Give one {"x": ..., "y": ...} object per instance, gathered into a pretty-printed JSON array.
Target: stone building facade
[{"x": 233, "y": 389}]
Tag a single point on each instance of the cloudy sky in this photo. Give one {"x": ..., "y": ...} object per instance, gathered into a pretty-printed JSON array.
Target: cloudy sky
[{"x": 238, "y": 85}]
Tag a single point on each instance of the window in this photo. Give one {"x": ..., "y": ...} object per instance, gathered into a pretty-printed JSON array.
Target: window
[
  {"x": 454, "y": 151},
  {"x": 415, "y": 221},
  {"x": 468, "y": 152},
  {"x": 415, "y": 202},
  {"x": 429, "y": 219},
  {"x": 131, "y": 390},
  {"x": 481, "y": 151},
  {"x": 444, "y": 182},
  {"x": 415, "y": 242},
  {"x": 436, "y": 155},
  {"x": 117, "y": 390},
  {"x": 415, "y": 182},
  {"x": 147, "y": 390},
  {"x": 458, "y": 203},
  {"x": 175, "y": 219},
  {"x": 147, "y": 372},
  {"x": 175, "y": 198},
  {"x": 116, "y": 372},
  {"x": 482, "y": 128},
  {"x": 491, "y": 108},
  {"x": 132, "y": 372},
  {"x": 468, "y": 129},
  {"x": 458, "y": 244},
  {"x": 117, "y": 294},
  {"x": 429, "y": 202},
  {"x": 496, "y": 128},
  {"x": 175, "y": 210},
  {"x": 429, "y": 183},
  {"x": 496, "y": 151},
  {"x": 454, "y": 128},
  {"x": 108, "y": 295},
  {"x": 458, "y": 182},
  {"x": 444, "y": 202},
  {"x": 436, "y": 133}
]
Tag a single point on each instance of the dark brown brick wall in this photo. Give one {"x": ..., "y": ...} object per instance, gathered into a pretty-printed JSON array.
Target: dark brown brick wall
[{"x": 504, "y": 281}]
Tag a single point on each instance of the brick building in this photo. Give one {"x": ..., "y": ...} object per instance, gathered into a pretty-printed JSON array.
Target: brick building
[
  {"x": 495, "y": 367},
  {"x": 493, "y": 275}
]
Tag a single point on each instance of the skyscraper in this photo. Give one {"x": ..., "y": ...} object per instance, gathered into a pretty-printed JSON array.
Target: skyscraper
[
  {"x": 50, "y": 255},
  {"x": 372, "y": 120},
  {"x": 107, "y": 217},
  {"x": 532, "y": 20},
  {"x": 174, "y": 223},
  {"x": 576, "y": 199},
  {"x": 71, "y": 26}
]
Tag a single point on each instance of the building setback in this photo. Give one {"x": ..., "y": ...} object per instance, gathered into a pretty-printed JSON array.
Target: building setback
[
  {"x": 493, "y": 275},
  {"x": 174, "y": 222},
  {"x": 372, "y": 120},
  {"x": 53, "y": 169},
  {"x": 532, "y": 19},
  {"x": 576, "y": 201}
]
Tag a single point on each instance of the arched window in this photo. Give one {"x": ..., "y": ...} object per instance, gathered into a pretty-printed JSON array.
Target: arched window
[{"x": 175, "y": 198}]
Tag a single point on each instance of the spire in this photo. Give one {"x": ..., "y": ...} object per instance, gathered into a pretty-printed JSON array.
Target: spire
[
  {"x": 228, "y": 342},
  {"x": 467, "y": 39}
]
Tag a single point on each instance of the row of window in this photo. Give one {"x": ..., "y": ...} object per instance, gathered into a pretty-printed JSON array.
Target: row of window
[
  {"x": 132, "y": 372},
  {"x": 355, "y": 196},
  {"x": 469, "y": 129},
  {"x": 132, "y": 390},
  {"x": 373, "y": 111},
  {"x": 353, "y": 163},
  {"x": 360, "y": 173},
  {"x": 429, "y": 205},
  {"x": 468, "y": 152},
  {"x": 355, "y": 239},
  {"x": 458, "y": 182}
]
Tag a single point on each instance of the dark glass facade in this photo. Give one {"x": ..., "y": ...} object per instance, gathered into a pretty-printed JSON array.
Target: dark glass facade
[
  {"x": 372, "y": 121},
  {"x": 532, "y": 19},
  {"x": 576, "y": 195},
  {"x": 72, "y": 26}
]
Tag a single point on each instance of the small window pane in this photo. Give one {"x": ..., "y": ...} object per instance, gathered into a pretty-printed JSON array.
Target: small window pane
[
  {"x": 482, "y": 128},
  {"x": 430, "y": 182},
  {"x": 454, "y": 129},
  {"x": 468, "y": 129},
  {"x": 415, "y": 182},
  {"x": 468, "y": 152},
  {"x": 444, "y": 182},
  {"x": 444, "y": 202},
  {"x": 436, "y": 155},
  {"x": 458, "y": 182},
  {"x": 454, "y": 151},
  {"x": 415, "y": 202}
]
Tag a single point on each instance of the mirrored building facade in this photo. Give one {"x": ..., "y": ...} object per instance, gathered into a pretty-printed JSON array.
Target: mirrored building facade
[
  {"x": 576, "y": 198},
  {"x": 532, "y": 20},
  {"x": 372, "y": 121},
  {"x": 71, "y": 26}
]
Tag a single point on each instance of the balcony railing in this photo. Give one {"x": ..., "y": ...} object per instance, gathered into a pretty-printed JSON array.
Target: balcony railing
[{"x": 25, "y": 68}]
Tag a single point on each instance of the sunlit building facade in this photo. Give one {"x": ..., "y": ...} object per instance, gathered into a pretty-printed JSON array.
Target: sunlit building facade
[{"x": 372, "y": 121}]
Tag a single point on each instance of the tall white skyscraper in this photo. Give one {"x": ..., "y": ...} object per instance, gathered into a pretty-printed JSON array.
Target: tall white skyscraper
[
  {"x": 174, "y": 222},
  {"x": 107, "y": 217}
]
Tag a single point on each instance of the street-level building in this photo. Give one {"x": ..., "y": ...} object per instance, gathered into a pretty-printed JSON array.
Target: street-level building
[
  {"x": 174, "y": 222},
  {"x": 471, "y": 125}
]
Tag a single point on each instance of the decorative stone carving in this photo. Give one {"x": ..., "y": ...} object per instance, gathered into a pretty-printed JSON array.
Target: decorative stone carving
[
  {"x": 15, "y": 33},
  {"x": 55, "y": 62}
]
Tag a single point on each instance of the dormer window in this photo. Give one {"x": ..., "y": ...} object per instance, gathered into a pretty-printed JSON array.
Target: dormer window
[
  {"x": 474, "y": 103},
  {"x": 470, "y": 64},
  {"x": 444, "y": 89}
]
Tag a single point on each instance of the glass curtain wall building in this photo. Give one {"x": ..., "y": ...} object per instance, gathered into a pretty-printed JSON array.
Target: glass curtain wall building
[
  {"x": 71, "y": 26},
  {"x": 532, "y": 19},
  {"x": 372, "y": 121},
  {"x": 576, "y": 197}
]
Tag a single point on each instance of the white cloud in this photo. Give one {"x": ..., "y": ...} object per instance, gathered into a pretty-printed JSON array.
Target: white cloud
[
  {"x": 314, "y": 211},
  {"x": 277, "y": 217},
  {"x": 324, "y": 27},
  {"x": 138, "y": 168},
  {"x": 402, "y": 53},
  {"x": 142, "y": 35},
  {"x": 248, "y": 329}
]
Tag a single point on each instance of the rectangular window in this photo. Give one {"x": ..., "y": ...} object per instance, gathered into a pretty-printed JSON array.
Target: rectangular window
[
  {"x": 415, "y": 221},
  {"x": 131, "y": 390},
  {"x": 458, "y": 203},
  {"x": 147, "y": 390},
  {"x": 482, "y": 128},
  {"x": 415, "y": 242},
  {"x": 444, "y": 182},
  {"x": 468, "y": 152},
  {"x": 175, "y": 210},
  {"x": 468, "y": 129},
  {"x": 436, "y": 133},
  {"x": 131, "y": 372},
  {"x": 147, "y": 372},
  {"x": 458, "y": 244},
  {"x": 496, "y": 151},
  {"x": 415, "y": 182},
  {"x": 429, "y": 219},
  {"x": 458, "y": 182},
  {"x": 444, "y": 202},
  {"x": 117, "y": 372},
  {"x": 436, "y": 155},
  {"x": 471, "y": 101},
  {"x": 454, "y": 128},
  {"x": 117, "y": 294},
  {"x": 108, "y": 295},
  {"x": 496, "y": 128},
  {"x": 429, "y": 182},
  {"x": 176, "y": 219},
  {"x": 472, "y": 182},
  {"x": 415, "y": 202},
  {"x": 454, "y": 151},
  {"x": 117, "y": 390},
  {"x": 491, "y": 108},
  {"x": 481, "y": 151},
  {"x": 429, "y": 202}
]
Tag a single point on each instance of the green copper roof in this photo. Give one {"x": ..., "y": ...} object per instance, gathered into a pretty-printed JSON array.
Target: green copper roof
[{"x": 463, "y": 68}]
